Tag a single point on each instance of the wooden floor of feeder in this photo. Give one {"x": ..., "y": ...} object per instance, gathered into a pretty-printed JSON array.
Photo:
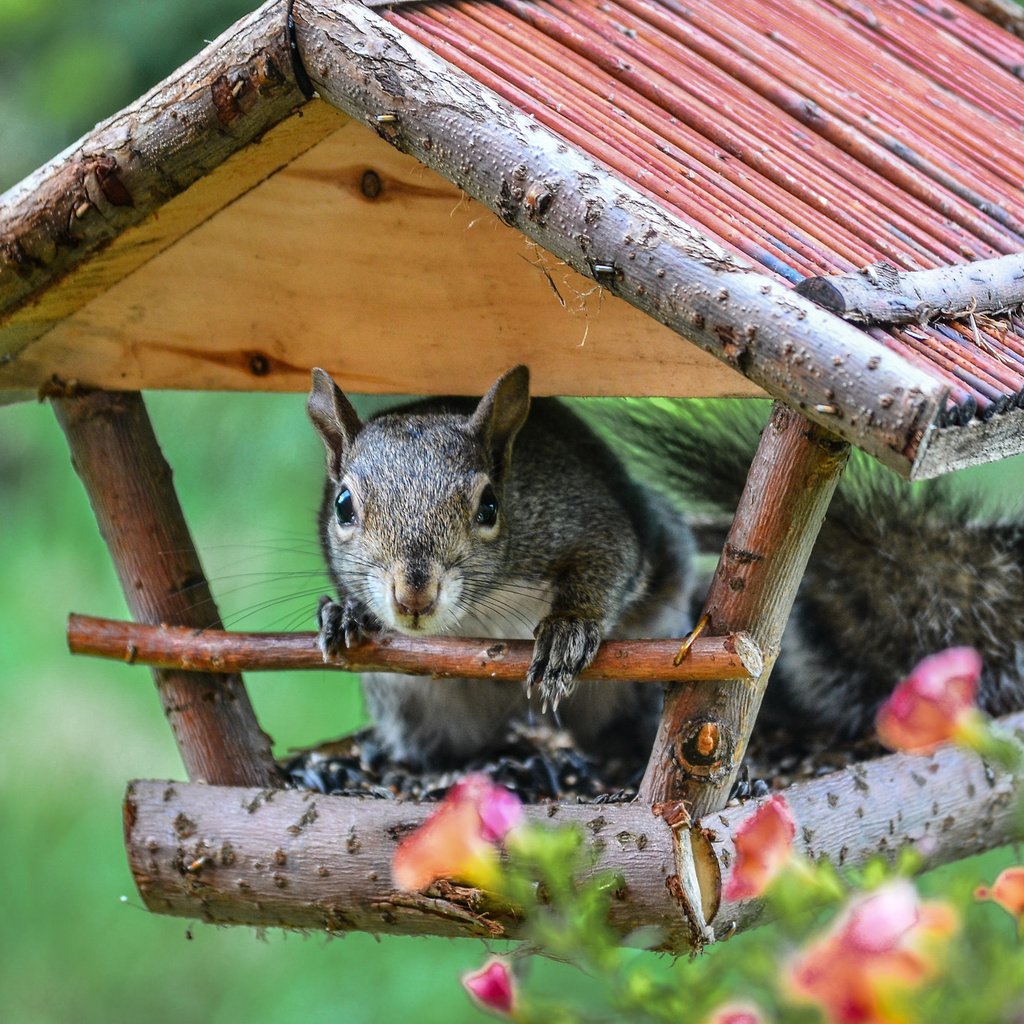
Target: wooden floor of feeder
[{"x": 298, "y": 859}]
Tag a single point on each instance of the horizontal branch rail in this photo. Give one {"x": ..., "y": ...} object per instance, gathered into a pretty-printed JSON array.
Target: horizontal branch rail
[
  {"x": 293, "y": 859},
  {"x": 882, "y": 294},
  {"x": 649, "y": 661}
]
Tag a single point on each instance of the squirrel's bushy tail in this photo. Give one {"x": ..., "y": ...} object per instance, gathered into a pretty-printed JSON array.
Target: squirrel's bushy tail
[{"x": 899, "y": 571}]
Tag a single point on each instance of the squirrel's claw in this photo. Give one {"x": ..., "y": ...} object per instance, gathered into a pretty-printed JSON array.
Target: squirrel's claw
[
  {"x": 342, "y": 625},
  {"x": 565, "y": 646}
]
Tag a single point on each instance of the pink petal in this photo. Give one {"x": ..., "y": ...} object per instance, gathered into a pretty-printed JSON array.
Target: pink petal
[
  {"x": 447, "y": 845},
  {"x": 1007, "y": 891},
  {"x": 927, "y": 707},
  {"x": 492, "y": 987},
  {"x": 764, "y": 842},
  {"x": 736, "y": 1013},
  {"x": 879, "y": 922}
]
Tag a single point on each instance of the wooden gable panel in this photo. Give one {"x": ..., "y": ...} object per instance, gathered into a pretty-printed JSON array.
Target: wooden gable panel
[{"x": 357, "y": 258}]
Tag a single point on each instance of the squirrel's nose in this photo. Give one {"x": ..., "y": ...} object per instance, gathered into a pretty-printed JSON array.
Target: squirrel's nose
[{"x": 412, "y": 600}]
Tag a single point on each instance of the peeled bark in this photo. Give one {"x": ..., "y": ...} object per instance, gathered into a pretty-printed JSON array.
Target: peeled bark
[
  {"x": 119, "y": 462},
  {"x": 704, "y": 731},
  {"x": 114, "y": 177}
]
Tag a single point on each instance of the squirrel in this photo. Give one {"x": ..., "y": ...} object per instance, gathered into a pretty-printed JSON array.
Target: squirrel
[
  {"x": 898, "y": 571},
  {"x": 500, "y": 518}
]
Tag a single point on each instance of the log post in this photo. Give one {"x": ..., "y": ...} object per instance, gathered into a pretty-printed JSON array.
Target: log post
[
  {"x": 704, "y": 730},
  {"x": 117, "y": 457}
]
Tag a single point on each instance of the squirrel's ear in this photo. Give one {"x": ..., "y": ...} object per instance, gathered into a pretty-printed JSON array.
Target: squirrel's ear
[
  {"x": 334, "y": 418},
  {"x": 500, "y": 414}
]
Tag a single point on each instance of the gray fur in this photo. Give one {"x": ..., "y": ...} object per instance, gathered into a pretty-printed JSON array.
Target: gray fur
[{"x": 579, "y": 552}]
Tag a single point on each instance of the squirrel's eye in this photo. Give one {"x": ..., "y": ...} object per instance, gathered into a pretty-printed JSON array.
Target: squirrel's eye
[
  {"x": 487, "y": 510},
  {"x": 344, "y": 508}
]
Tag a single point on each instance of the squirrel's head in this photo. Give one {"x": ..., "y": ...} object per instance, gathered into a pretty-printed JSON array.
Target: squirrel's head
[{"x": 414, "y": 509}]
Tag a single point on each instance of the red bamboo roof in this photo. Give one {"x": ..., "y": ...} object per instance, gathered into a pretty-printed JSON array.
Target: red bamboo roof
[{"x": 808, "y": 137}]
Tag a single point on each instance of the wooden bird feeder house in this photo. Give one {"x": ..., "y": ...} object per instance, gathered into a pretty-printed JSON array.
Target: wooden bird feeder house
[{"x": 808, "y": 199}]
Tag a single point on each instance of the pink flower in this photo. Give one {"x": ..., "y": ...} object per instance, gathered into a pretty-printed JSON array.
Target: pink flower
[
  {"x": 1007, "y": 891},
  {"x": 885, "y": 942},
  {"x": 492, "y": 987},
  {"x": 934, "y": 704},
  {"x": 457, "y": 840},
  {"x": 736, "y": 1013},
  {"x": 764, "y": 842}
]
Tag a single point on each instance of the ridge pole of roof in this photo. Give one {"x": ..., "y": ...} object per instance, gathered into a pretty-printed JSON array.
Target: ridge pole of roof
[
  {"x": 621, "y": 237},
  {"x": 884, "y": 294},
  {"x": 128, "y": 481},
  {"x": 704, "y": 730}
]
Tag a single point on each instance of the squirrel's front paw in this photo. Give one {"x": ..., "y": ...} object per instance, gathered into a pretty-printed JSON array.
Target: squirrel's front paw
[
  {"x": 565, "y": 646},
  {"x": 342, "y": 625}
]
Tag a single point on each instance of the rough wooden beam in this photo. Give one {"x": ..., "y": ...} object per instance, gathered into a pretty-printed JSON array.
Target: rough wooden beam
[
  {"x": 226, "y": 97},
  {"x": 295, "y": 859},
  {"x": 725, "y": 657},
  {"x": 704, "y": 732},
  {"x": 883, "y": 294},
  {"x": 603, "y": 228},
  {"x": 128, "y": 481}
]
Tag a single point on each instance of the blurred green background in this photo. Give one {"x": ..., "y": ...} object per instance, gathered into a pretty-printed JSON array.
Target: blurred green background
[{"x": 74, "y": 730}]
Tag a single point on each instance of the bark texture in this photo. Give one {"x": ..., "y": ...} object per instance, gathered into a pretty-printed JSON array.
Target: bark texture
[
  {"x": 882, "y": 294},
  {"x": 295, "y": 859},
  {"x": 223, "y": 99},
  {"x": 116, "y": 455},
  {"x": 573, "y": 207},
  {"x": 704, "y": 732},
  {"x": 203, "y": 650}
]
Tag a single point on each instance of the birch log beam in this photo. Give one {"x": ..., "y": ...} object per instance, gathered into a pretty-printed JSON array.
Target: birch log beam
[
  {"x": 227, "y": 96},
  {"x": 606, "y": 229},
  {"x": 208, "y": 650},
  {"x": 882, "y": 294},
  {"x": 294, "y": 859}
]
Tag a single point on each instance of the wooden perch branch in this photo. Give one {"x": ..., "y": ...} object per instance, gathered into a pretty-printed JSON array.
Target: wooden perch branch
[
  {"x": 882, "y": 294},
  {"x": 294, "y": 859},
  {"x": 604, "y": 228},
  {"x": 652, "y": 661}
]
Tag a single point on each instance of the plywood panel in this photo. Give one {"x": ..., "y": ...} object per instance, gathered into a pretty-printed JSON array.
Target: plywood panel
[{"x": 358, "y": 259}]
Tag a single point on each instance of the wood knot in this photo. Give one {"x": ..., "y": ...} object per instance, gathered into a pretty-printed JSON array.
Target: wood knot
[{"x": 705, "y": 749}]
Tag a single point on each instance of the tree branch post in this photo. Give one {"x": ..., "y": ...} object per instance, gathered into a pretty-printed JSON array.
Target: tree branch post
[
  {"x": 118, "y": 459},
  {"x": 704, "y": 730}
]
